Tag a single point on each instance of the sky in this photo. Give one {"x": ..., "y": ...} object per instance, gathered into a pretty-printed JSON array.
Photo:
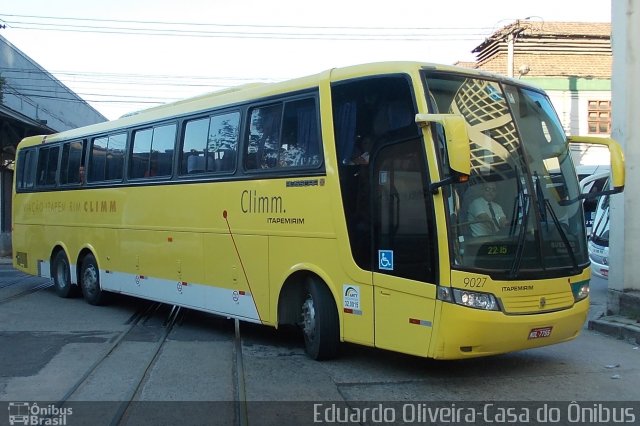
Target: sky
[{"x": 127, "y": 55}]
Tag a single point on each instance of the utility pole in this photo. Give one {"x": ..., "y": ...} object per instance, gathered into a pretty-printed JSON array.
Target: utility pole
[
  {"x": 624, "y": 249},
  {"x": 510, "y": 43}
]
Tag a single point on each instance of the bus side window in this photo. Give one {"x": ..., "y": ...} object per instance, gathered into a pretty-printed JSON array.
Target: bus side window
[
  {"x": 47, "y": 166},
  {"x": 264, "y": 137},
  {"x": 210, "y": 144},
  {"x": 194, "y": 144},
  {"x": 300, "y": 142},
  {"x": 98, "y": 159},
  {"x": 26, "y": 167},
  {"x": 72, "y": 160},
  {"x": 161, "y": 155},
  {"x": 107, "y": 158},
  {"x": 115, "y": 156},
  {"x": 284, "y": 136},
  {"x": 223, "y": 142},
  {"x": 152, "y": 152},
  {"x": 139, "y": 166}
]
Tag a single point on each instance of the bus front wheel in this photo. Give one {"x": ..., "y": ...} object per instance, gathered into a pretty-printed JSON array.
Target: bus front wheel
[
  {"x": 90, "y": 281},
  {"x": 320, "y": 323},
  {"x": 61, "y": 275}
]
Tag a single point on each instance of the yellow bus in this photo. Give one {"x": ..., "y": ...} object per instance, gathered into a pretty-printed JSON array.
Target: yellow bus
[{"x": 343, "y": 202}]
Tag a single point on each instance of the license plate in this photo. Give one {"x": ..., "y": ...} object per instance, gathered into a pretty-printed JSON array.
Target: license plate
[{"x": 538, "y": 333}]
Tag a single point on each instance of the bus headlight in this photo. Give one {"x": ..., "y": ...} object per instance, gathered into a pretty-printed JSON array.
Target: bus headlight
[
  {"x": 475, "y": 300},
  {"x": 471, "y": 299},
  {"x": 580, "y": 290}
]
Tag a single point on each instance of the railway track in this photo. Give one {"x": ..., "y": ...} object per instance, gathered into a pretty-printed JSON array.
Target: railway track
[
  {"x": 150, "y": 321},
  {"x": 146, "y": 314},
  {"x": 22, "y": 292}
]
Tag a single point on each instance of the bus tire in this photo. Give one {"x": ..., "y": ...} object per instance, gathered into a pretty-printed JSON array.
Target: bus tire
[
  {"x": 60, "y": 272},
  {"x": 90, "y": 281},
  {"x": 320, "y": 323}
]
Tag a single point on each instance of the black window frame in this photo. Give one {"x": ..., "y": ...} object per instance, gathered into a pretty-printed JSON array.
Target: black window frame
[
  {"x": 236, "y": 172},
  {"x": 32, "y": 155},
  {"x": 90, "y": 159},
  {"x": 183, "y": 157},
  {"x": 48, "y": 184},
  {"x": 129, "y": 155},
  {"x": 80, "y": 164},
  {"x": 283, "y": 102}
]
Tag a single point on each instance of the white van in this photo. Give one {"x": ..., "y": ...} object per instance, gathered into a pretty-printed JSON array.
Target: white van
[
  {"x": 592, "y": 184},
  {"x": 585, "y": 171},
  {"x": 599, "y": 239}
]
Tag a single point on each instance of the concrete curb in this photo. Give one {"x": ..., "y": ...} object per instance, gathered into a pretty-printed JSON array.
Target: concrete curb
[{"x": 620, "y": 327}]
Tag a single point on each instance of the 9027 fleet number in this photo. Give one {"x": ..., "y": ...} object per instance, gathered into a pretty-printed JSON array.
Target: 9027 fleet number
[{"x": 474, "y": 282}]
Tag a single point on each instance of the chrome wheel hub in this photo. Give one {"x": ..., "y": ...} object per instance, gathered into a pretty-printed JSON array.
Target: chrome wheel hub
[
  {"x": 90, "y": 280},
  {"x": 308, "y": 318}
]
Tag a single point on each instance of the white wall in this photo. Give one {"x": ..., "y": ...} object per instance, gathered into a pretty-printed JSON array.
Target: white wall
[
  {"x": 573, "y": 109},
  {"x": 625, "y": 227}
]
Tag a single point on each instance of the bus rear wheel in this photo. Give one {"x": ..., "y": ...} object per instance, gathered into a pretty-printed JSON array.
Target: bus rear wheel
[
  {"x": 62, "y": 276},
  {"x": 90, "y": 282},
  {"x": 320, "y": 323}
]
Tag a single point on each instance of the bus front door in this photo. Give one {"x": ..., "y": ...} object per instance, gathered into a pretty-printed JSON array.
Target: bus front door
[{"x": 403, "y": 249}]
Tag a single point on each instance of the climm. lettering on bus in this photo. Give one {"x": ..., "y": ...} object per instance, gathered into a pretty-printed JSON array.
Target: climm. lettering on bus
[{"x": 252, "y": 202}]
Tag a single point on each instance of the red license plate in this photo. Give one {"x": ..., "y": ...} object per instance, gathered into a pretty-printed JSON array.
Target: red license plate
[{"x": 538, "y": 333}]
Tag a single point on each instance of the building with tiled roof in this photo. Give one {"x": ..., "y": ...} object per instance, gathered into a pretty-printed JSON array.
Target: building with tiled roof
[{"x": 571, "y": 61}]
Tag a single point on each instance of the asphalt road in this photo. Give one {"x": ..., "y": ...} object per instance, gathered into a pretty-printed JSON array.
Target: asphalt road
[{"x": 137, "y": 362}]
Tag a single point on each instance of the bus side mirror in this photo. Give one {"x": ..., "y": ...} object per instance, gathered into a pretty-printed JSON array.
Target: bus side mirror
[
  {"x": 456, "y": 139},
  {"x": 616, "y": 155}
]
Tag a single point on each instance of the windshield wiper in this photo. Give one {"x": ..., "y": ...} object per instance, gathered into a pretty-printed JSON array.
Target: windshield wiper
[
  {"x": 540, "y": 197},
  {"x": 544, "y": 205},
  {"x": 563, "y": 236},
  {"x": 515, "y": 267}
]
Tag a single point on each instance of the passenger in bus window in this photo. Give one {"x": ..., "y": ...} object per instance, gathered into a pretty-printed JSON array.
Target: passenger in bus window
[
  {"x": 81, "y": 175},
  {"x": 485, "y": 216},
  {"x": 361, "y": 156}
]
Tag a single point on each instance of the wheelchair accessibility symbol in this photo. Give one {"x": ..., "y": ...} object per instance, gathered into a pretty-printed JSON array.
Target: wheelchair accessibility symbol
[{"x": 385, "y": 260}]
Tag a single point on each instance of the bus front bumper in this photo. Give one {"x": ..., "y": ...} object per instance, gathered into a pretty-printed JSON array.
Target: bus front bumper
[{"x": 468, "y": 333}]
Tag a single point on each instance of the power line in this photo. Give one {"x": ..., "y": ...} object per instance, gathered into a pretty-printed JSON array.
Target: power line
[
  {"x": 134, "y": 100},
  {"x": 35, "y": 91},
  {"x": 85, "y": 101},
  {"x": 300, "y": 33},
  {"x": 125, "y": 77},
  {"x": 35, "y": 83},
  {"x": 81, "y": 80},
  {"x": 249, "y": 25},
  {"x": 281, "y": 36}
]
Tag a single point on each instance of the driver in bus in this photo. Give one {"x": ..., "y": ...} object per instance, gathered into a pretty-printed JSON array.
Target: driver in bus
[{"x": 485, "y": 215}]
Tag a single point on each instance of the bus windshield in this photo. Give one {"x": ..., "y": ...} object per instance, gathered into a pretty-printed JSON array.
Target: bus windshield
[{"x": 515, "y": 217}]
